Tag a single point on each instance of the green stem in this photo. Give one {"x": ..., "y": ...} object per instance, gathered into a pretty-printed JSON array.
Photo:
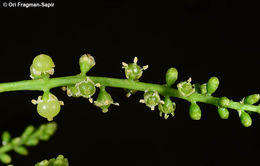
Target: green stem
[{"x": 42, "y": 85}]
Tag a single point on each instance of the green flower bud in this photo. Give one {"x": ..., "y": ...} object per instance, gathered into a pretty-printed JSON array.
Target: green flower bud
[
  {"x": 151, "y": 99},
  {"x": 194, "y": 111},
  {"x": 51, "y": 128},
  {"x": 223, "y": 102},
  {"x": 168, "y": 107},
  {"x": 185, "y": 88},
  {"x": 245, "y": 119},
  {"x": 43, "y": 163},
  {"x": 212, "y": 85},
  {"x": 21, "y": 150},
  {"x": 28, "y": 131},
  {"x": 32, "y": 142},
  {"x": 133, "y": 71},
  {"x": 72, "y": 91},
  {"x": 223, "y": 113},
  {"x": 86, "y": 62},
  {"x": 104, "y": 100},
  {"x": 6, "y": 137},
  {"x": 16, "y": 141},
  {"x": 252, "y": 99},
  {"x": 5, "y": 158},
  {"x": 171, "y": 76}
]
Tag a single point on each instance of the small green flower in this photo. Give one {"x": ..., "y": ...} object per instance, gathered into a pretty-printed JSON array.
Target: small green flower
[
  {"x": 86, "y": 62},
  {"x": 104, "y": 100},
  {"x": 87, "y": 88},
  {"x": 133, "y": 71},
  {"x": 72, "y": 91},
  {"x": 167, "y": 108},
  {"x": 151, "y": 99},
  {"x": 185, "y": 88}
]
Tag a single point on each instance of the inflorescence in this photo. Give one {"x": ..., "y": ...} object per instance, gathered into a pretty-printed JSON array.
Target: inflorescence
[{"x": 155, "y": 95}]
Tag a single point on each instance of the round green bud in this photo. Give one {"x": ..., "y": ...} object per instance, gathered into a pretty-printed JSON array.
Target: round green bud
[
  {"x": 223, "y": 102},
  {"x": 245, "y": 119},
  {"x": 151, "y": 99},
  {"x": 104, "y": 100},
  {"x": 185, "y": 88},
  {"x": 212, "y": 85},
  {"x": 223, "y": 113},
  {"x": 86, "y": 62},
  {"x": 28, "y": 131},
  {"x": 43, "y": 63},
  {"x": 72, "y": 91},
  {"x": 5, "y": 158},
  {"x": 252, "y": 99},
  {"x": 171, "y": 76},
  {"x": 133, "y": 71},
  {"x": 194, "y": 111},
  {"x": 49, "y": 108},
  {"x": 86, "y": 88},
  {"x": 168, "y": 107}
]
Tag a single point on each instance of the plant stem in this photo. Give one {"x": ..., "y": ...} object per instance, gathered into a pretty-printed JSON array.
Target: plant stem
[{"x": 43, "y": 84}]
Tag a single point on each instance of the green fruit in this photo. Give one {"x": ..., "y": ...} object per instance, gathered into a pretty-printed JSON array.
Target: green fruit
[
  {"x": 42, "y": 63},
  {"x": 48, "y": 109}
]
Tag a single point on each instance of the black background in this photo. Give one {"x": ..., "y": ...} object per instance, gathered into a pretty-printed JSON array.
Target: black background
[{"x": 200, "y": 38}]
